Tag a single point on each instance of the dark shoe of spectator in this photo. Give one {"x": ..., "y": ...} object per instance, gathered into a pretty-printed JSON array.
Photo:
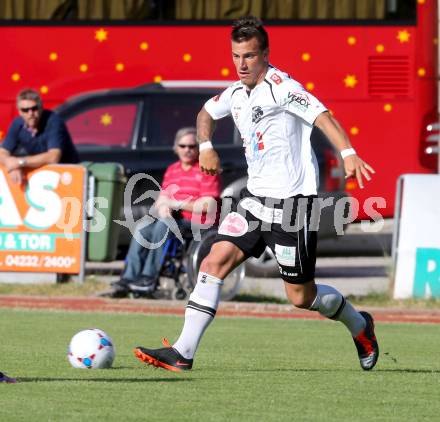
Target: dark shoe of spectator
[
  {"x": 119, "y": 292},
  {"x": 121, "y": 283},
  {"x": 119, "y": 289},
  {"x": 144, "y": 285}
]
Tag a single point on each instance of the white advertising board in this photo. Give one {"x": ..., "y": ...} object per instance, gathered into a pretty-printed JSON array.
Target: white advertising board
[{"x": 416, "y": 238}]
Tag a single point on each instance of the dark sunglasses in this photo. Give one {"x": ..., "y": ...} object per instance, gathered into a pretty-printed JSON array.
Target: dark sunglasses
[
  {"x": 28, "y": 109},
  {"x": 187, "y": 146}
]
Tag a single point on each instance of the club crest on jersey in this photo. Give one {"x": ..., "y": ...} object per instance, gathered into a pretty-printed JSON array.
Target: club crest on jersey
[
  {"x": 257, "y": 114},
  {"x": 276, "y": 78}
]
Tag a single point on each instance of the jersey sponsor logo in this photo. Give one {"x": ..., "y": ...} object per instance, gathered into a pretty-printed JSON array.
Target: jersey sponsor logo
[
  {"x": 262, "y": 212},
  {"x": 276, "y": 78},
  {"x": 203, "y": 278},
  {"x": 299, "y": 100},
  {"x": 234, "y": 225},
  {"x": 285, "y": 255},
  {"x": 257, "y": 114},
  {"x": 257, "y": 209},
  {"x": 286, "y": 273}
]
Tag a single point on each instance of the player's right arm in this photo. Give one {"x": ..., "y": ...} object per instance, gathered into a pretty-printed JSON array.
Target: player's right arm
[
  {"x": 214, "y": 109},
  {"x": 208, "y": 158}
]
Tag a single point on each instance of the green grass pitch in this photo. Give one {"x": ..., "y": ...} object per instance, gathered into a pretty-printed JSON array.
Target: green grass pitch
[{"x": 246, "y": 370}]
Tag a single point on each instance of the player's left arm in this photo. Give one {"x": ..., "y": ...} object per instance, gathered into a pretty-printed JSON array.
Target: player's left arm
[{"x": 354, "y": 166}]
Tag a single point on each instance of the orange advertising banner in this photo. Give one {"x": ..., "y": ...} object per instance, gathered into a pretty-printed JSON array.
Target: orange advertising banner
[{"x": 41, "y": 220}]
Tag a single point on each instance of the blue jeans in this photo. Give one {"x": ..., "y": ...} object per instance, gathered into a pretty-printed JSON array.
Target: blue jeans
[{"x": 145, "y": 262}]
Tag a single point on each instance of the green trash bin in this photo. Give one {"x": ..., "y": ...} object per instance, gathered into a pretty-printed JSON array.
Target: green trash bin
[{"x": 109, "y": 183}]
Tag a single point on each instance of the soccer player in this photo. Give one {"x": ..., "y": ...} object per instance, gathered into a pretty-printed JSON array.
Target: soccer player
[{"x": 275, "y": 116}]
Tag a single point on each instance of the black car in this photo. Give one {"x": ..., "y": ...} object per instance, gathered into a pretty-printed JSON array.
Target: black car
[{"x": 136, "y": 127}]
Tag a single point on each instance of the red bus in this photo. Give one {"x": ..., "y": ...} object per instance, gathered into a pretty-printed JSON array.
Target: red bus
[{"x": 372, "y": 62}]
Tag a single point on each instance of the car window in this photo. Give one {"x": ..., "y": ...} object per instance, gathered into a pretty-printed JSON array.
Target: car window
[
  {"x": 168, "y": 113},
  {"x": 109, "y": 125}
]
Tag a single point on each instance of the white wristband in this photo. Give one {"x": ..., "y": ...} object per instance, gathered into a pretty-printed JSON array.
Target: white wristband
[
  {"x": 205, "y": 145},
  {"x": 347, "y": 152}
]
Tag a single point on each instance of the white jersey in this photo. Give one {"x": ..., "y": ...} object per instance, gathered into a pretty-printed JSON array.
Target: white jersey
[{"x": 275, "y": 121}]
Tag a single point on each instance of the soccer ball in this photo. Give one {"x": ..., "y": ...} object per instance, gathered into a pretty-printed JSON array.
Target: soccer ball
[{"x": 91, "y": 349}]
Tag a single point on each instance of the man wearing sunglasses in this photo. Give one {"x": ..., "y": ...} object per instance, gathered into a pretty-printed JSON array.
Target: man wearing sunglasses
[
  {"x": 35, "y": 138},
  {"x": 184, "y": 188}
]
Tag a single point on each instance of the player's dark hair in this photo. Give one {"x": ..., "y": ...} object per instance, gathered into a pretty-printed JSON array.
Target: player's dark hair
[{"x": 248, "y": 27}]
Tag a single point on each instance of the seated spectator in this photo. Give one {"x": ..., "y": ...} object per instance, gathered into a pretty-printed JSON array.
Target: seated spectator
[
  {"x": 183, "y": 185},
  {"x": 35, "y": 138}
]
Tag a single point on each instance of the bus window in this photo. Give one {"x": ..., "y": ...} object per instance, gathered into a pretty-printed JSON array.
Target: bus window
[{"x": 159, "y": 10}]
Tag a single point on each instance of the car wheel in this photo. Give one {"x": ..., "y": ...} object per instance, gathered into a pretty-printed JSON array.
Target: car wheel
[{"x": 264, "y": 266}]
